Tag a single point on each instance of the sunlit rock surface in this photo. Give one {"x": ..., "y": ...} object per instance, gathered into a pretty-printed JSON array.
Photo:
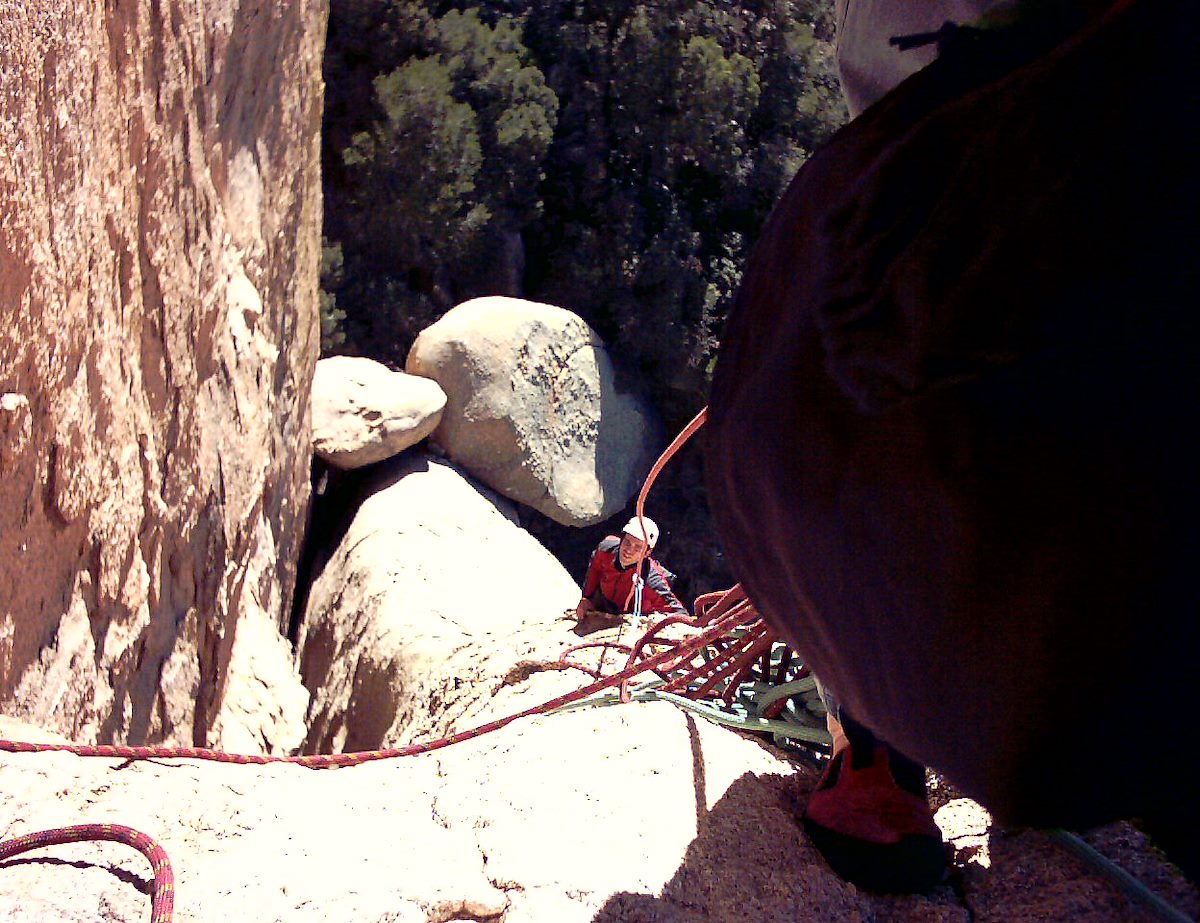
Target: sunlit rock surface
[
  {"x": 534, "y": 408},
  {"x": 159, "y": 246}
]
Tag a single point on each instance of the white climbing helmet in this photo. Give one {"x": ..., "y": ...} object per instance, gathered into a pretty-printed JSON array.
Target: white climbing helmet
[{"x": 634, "y": 528}]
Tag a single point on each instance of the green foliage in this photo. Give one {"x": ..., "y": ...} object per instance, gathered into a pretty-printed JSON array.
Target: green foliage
[
  {"x": 680, "y": 125},
  {"x": 422, "y": 196},
  {"x": 717, "y": 96},
  {"x": 419, "y": 162},
  {"x": 616, "y": 157},
  {"x": 333, "y": 337},
  {"x": 517, "y": 111}
]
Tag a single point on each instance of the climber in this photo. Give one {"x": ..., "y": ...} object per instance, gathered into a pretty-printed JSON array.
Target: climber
[
  {"x": 969, "y": 487},
  {"x": 614, "y": 571}
]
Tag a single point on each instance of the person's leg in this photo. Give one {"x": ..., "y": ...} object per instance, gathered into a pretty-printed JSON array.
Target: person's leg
[
  {"x": 836, "y": 731},
  {"x": 869, "y": 816}
]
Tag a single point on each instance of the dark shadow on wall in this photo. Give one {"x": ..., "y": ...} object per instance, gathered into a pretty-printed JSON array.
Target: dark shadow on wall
[
  {"x": 751, "y": 860},
  {"x": 336, "y": 498},
  {"x": 573, "y": 545},
  {"x": 336, "y": 495},
  {"x": 1033, "y": 876},
  {"x": 616, "y": 442}
]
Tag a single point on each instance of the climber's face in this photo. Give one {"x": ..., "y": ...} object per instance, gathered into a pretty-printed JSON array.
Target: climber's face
[{"x": 630, "y": 549}]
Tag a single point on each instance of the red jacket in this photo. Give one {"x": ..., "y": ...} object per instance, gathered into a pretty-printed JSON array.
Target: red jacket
[{"x": 609, "y": 585}]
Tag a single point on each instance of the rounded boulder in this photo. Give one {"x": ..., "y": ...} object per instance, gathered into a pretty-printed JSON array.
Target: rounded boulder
[
  {"x": 363, "y": 412},
  {"x": 533, "y": 409}
]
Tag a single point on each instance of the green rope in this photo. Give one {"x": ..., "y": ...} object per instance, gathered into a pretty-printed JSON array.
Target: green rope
[
  {"x": 784, "y": 690},
  {"x": 749, "y": 722},
  {"x": 1129, "y": 886},
  {"x": 744, "y": 722}
]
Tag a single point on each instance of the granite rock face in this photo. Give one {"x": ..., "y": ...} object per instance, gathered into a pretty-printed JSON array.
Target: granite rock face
[{"x": 159, "y": 248}]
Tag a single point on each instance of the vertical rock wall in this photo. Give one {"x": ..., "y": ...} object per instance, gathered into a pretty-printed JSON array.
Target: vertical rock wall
[{"x": 159, "y": 247}]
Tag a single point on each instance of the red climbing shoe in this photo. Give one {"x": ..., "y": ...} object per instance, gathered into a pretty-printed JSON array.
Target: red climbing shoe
[{"x": 873, "y": 832}]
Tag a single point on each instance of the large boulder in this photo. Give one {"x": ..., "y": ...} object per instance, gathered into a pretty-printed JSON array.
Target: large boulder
[
  {"x": 433, "y": 595},
  {"x": 160, "y": 212},
  {"x": 363, "y": 412},
  {"x": 533, "y": 408}
]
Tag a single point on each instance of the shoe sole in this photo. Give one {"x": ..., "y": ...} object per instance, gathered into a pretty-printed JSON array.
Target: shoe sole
[{"x": 913, "y": 865}]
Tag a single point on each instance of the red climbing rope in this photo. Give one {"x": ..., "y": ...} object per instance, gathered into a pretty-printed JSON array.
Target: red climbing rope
[
  {"x": 668, "y": 453},
  {"x": 338, "y": 760},
  {"x": 676, "y": 444},
  {"x": 162, "y": 901}
]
